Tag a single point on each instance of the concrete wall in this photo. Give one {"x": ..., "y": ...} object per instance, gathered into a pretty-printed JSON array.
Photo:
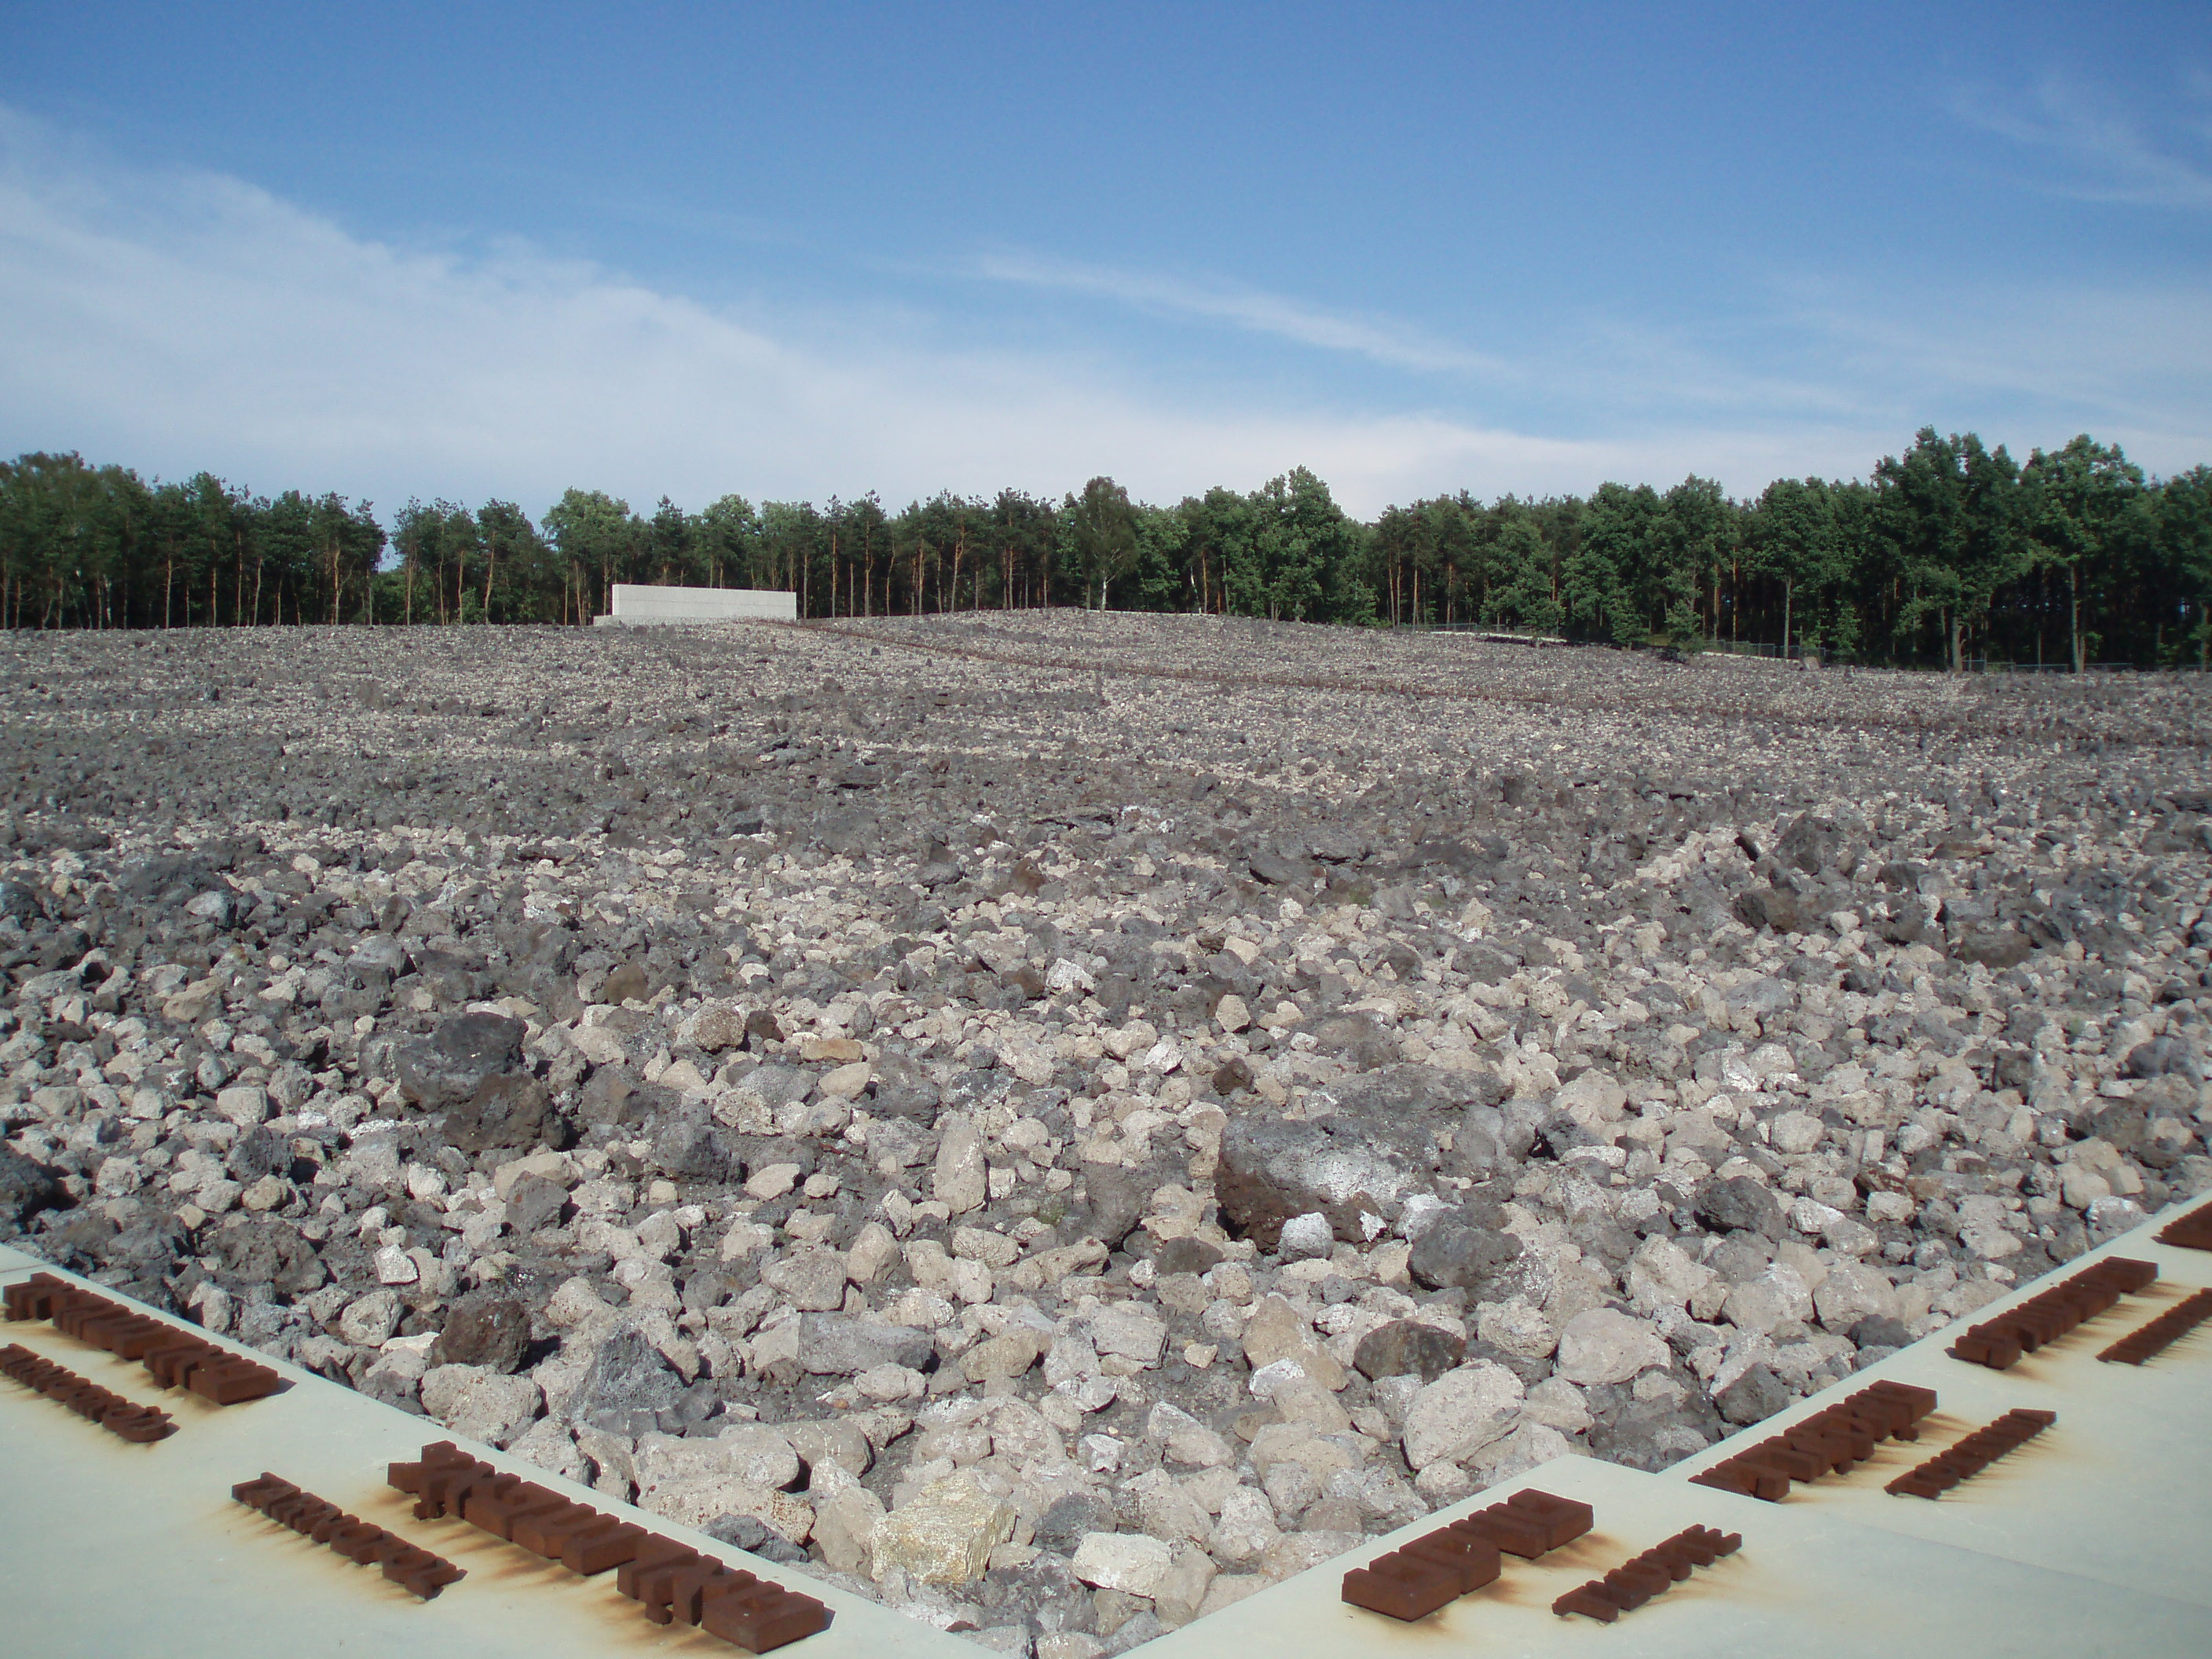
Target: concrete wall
[{"x": 635, "y": 602}]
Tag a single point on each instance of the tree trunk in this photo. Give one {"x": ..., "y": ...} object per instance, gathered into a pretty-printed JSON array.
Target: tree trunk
[
  {"x": 2074, "y": 603},
  {"x": 1789, "y": 595}
]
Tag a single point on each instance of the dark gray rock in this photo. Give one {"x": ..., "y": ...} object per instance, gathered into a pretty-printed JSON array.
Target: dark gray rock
[
  {"x": 264, "y": 1250},
  {"x": 26, "y": 1187},
  {"x": 256, "y": 1153},
  {"x": 1462, "y": 1249},
  {"x": 628, "y": 1387},
  {"x": 628, "y": 982},
  {"x": 1359, "y": 1038},
  {"x": 689, "y": 1145},
  {"x": 1768, "y": 907},
  {"x": 1738, "y": 1204},
  {"x": 534, "y": 1202},
  {"x": 510, "y": 1109},
  {"x": 1996, "y": 948},
  {"x": 1185, "y": 1255},
  {"x": 1067, "y": 1518},
  {"x": 1755, "y": 1397},
  {"x": 448, "y": 1067},
  {"x": 2164, "y": 1056},
  {"x": 485, "y": 1329},
  {"x": 1118, "y": 1197},
  {"x": 1405, "y": 1347},
  {"x": 756, "y": 1537},
  {"x": 1879, "y": 1331},
  {"x": 1810, "y": 844}
]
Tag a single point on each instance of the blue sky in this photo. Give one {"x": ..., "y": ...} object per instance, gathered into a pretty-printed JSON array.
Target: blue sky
[{"x": 794, "y": 252}]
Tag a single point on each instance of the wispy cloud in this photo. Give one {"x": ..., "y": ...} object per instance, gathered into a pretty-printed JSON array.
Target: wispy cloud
[
  {"x": 177, "y": 320},
  {"x": 1252, "y": 309},
  {"x": 2104, "y": 155}
]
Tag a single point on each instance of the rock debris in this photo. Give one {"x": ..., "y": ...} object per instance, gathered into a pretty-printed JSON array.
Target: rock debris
[{"x": 1057, "y": 1122}]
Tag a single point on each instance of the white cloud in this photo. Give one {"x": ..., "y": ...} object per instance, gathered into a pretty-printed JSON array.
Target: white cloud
[
  {"x": 176, "y": 320},
  {"x": 1255, "y": 310},
  {"x": 2109, "y": 157}
]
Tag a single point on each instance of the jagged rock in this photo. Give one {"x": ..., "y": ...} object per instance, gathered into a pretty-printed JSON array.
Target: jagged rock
[
  {"x": 1271, "y": 1171},
  {"x": 485, "y": 1329},
  {"x": 833, "y": 1344},
  {"x": 448, "y": 1067},
  {"x": 944, "y": 1534},
  {"x": 1462, "y": 1249},
  {"x": 1404, "y": 1347},
  {"x": 1739, "y": 1204},
  {"x": 628, "y": 1386}
]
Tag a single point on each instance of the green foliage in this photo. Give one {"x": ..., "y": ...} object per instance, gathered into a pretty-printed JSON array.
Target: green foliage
[{"x": 1946, "y": 552}]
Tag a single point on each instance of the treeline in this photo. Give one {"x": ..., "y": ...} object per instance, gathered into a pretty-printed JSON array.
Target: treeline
[{"x": 1948, "y": 553}]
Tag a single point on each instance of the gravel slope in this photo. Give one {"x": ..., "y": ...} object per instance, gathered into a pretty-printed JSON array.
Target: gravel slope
[{"x": 1064, "y": 1119}]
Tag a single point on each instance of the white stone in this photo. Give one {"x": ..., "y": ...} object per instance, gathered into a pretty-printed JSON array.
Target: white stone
[
  {"x": 812, "y": 1276},
  {"x": 244, "y": 1104},
  {"x": 1796, "y": 1132},
  {"x": 1886, "y": 1205},
  {"x": 1247, "y": 1528},
  {"x": 961, "y": 1180},
  {"x": 1186, "y": 1440},
  {"x": 494, "y": 1408},
  {"x": 945, "y": 1533},
  {"x": 1777, "y": 1295},
  {"x": 1130, "y": 1332},
  {"x": 695, "y": 1482},
  {"x": 1600, "y": 1345},
  {"x": 1853, "y": 1291},
  {"x": 845, "y": 1528},
  {"x": 846, "y": 1082},
  {"x": 1131, "y": 1562},
  {"x": 1461, "y": 1412},
  {"x": 1306, "y": 1238},
  {"x": 369, "y": 1321},
  {"x": 1663, "y": 1275},
  {"x": 1516, "y": 1325},
  {"x": 395, "y": 1267},
  {"x": 771, "y": 1181}
]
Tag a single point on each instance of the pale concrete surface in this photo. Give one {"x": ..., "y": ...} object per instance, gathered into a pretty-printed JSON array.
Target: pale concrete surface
[{"x": 641, "y": 602}]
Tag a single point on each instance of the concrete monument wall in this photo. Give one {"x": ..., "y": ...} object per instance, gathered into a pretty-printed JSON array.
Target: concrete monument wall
[{"x": 639, "y": 602}]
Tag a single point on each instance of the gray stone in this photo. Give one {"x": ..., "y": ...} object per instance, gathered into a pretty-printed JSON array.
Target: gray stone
[
  {"x": 1753, "y": 1397},
  {"x": 1359, "y": 1038},
  {"x": 534, "y": 1202},
  {"x": 1405, "y": 1346},
  {"x": 26, "y": 1188},
  {"x": 836, "y": 1345},
  {"x": 628, "y": 1386},
  {"x": 485, "y": 1329},
  {"x": 446, "y": 1068},
  {"x": 1739, "y": 1204},
  {"x": 1271, "y": 1170},
  {"x": 509, "y": 1110},
  {"x": 1462, "y": 1249}
]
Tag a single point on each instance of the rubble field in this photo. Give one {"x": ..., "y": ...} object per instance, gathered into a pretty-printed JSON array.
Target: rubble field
[{"x": 1058, "y": 1120}]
